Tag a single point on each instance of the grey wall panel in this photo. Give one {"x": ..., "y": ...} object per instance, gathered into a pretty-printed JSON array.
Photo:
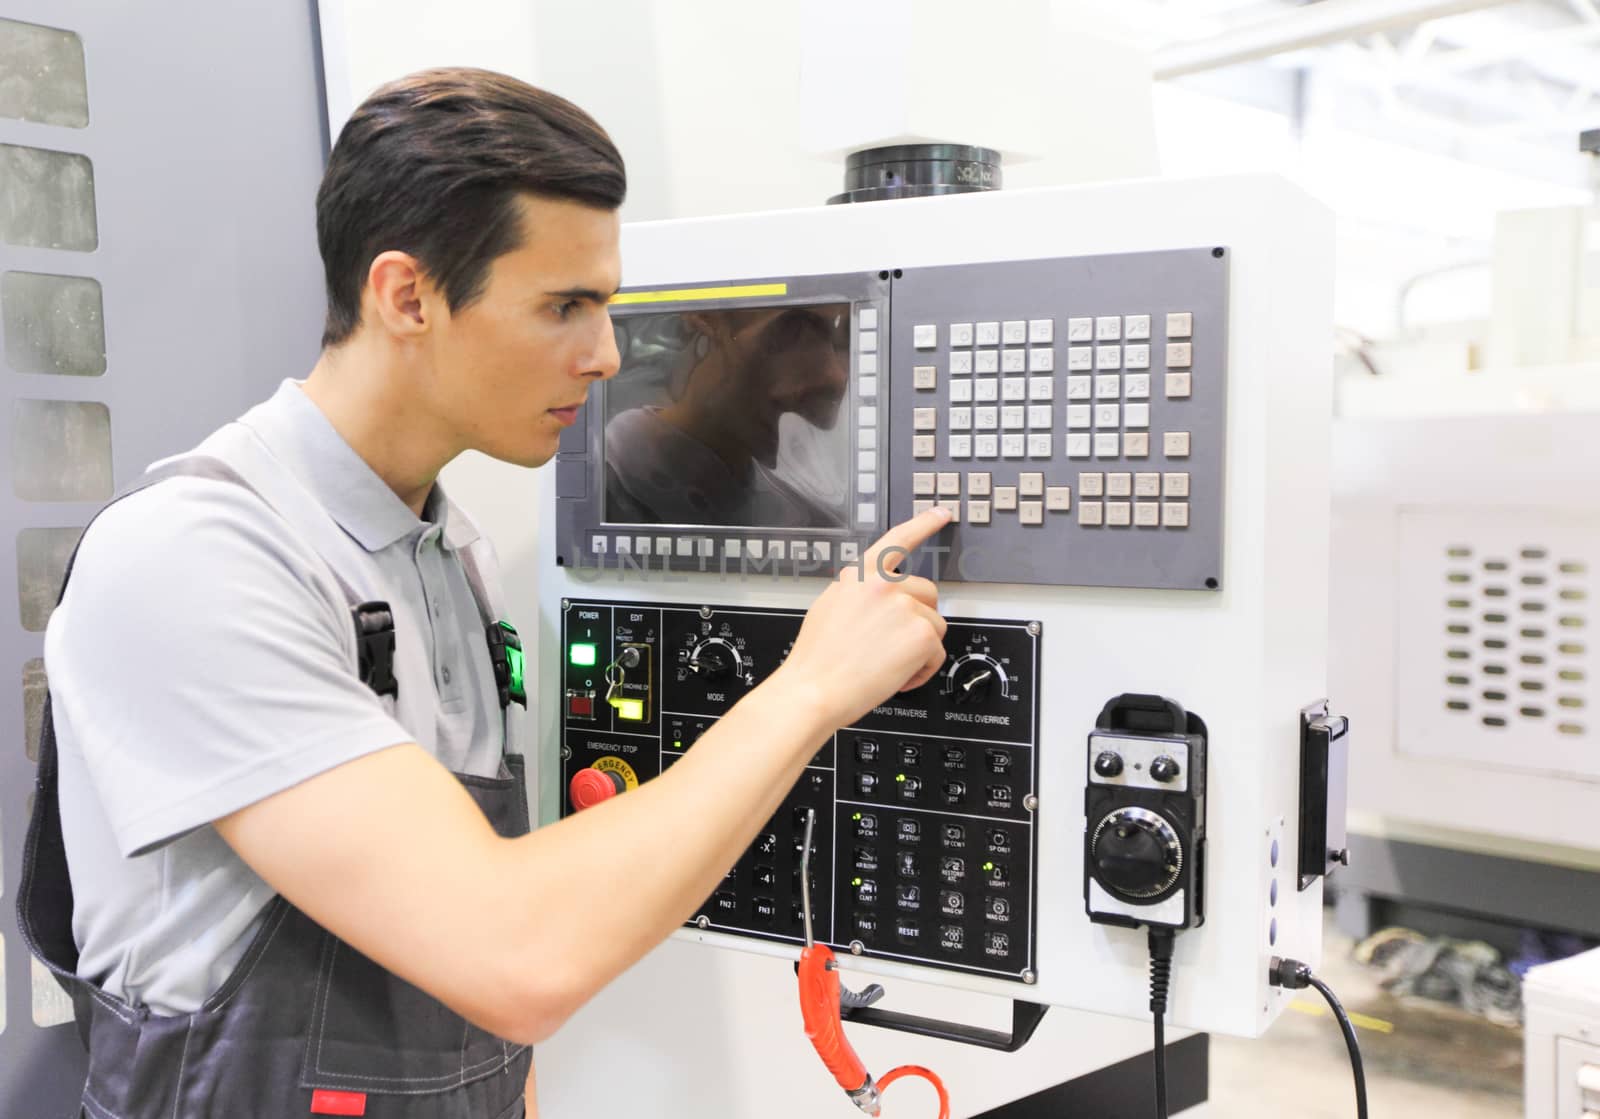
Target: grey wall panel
[{"x": 194, "y": 135}]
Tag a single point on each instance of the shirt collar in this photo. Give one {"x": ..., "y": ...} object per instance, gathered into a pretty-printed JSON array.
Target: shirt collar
[{"x": 295, "y": 429}]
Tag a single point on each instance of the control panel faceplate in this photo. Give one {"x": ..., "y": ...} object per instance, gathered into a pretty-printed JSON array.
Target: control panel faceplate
[{"x": 926, "y": 835}]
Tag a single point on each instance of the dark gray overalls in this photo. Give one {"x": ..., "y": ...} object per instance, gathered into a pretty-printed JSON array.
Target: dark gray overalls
[{"x": 305, "y": 1024}]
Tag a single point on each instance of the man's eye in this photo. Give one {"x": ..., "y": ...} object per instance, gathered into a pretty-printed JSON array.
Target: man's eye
[{"x": 565, "y": 311}]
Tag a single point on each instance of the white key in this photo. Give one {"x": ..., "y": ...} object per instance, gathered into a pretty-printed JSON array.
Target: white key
[
  {"x": 977, "y": 512},
  {"x": 1092, "y": 484},
  {"x": 1013, "y": 361},
  {"x": 1136, "y": 386},
  {"x": 1079, "y": 445},
  {"x": 868, "y": 318},
  {"x": 1136, "y": 415},
  {"x": 1119, "y": 514},
  {"x": 1146, "y": 514},
  {"x": 925, "y": 336},
  {"x": 1041, "y": 331},
  {"x": 867, "y": 512},
  {"x": 961, "y": 362},
  {"x": 1005, "y": 499},
  {"x": 1014, "y": 388},
  {"x": 798, "y": 550},
  {"x": 1176, "y": 484},
  {"x": 1137, "y": 327},
  {"x": 1030, "y": 512},
  {"x": 1091, "y": 513},
  {"x": 960, "y": 392},
  {"x": 1080, "y": 330},
  {"x": 1180, "y": 324},
  {"x": 1175, "y": 444},
  {"x": 960, "y": 334},
  {"x": 866, "y": 460},
  {"x": 1119, "y": 485},
  {"x": 1108, "y": 357},
  {"x": 922, "y": 483},
  {"x": 1013, "y": 446},
  {"x": 867, "y": 387},
  {"x": 1040, "y": 444},
  {"x": 1107, "y": 386},
  {"x": 948, "y": 483},
  {"x": 685, "y": 545},
  {"x": 925, "y": 376},
  {"x": 925, "y": 419},
  {"x": 1136, "y": 357},
  {"x": 1147, "y": 485},
  {"x": 922, "y": 446},
  {"x": 822, "y": 551},
  {"x": 986, "y": 418},
  {"x": 1177, "y": 386},
  {"x": 1079, "y": 415},
  {"x": 867, "y": 416},
  {"x": 849, "y": 551},
  {"x": 624, "y": 546},
  {"x": 707, "y": 546},
  {"x": 987, "y": 446},
  {"x": 1179, "y": 355},
  {"x": 775, "y": 549},
  {"x": 921, "y": 505},
  {"x": 988, "y": 334},
  {"x": 986, "y": 390},
  {"x": 867, "y": 341},
  {"x": 1041, "y": 388},
  {"x": 1108, "y": 328},
  {"x": 1040, "y": 415},
  {"x": 1058, "y": 499},
  {"x": 597, "y": 544},
  {"x": 987, "y": 361},
  {"x": 978, "y": 484},
  {"x": 1107, "y": 415},
  {"x": 1080, "y": 358},
  {"x": 1030, "y": 483},
  {"x": 867, "y": 363},
  {"x": 1105, "y": 444},
  {"x": 1014, "y": 332},
  {"x": 663, "y": 545},
  {"x": 961, "y": 446},
  {"x": 961, "y": 419},
  {"x": 732, "y": 548},
  {"x": 1175, "y": 514},
  {"x": 1136, "y": 444},
  {"x": 1041, "y": 361},
  {"x": 1080, "y": 388}
]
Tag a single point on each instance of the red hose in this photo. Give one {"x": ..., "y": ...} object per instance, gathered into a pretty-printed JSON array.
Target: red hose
[{"x": 927, "y": 1074}]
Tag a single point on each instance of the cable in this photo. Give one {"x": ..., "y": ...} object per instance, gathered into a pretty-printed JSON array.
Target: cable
[
  {"x": 917, "y": 1070},
  {"x": 1292, "y": 975},
  {"x": 1161, "y": 945}
]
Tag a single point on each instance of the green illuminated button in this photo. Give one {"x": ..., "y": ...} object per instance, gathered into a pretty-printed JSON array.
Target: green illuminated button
[
  {"x": 581, "y": 653},
  {"x": 631, "y": 709}
]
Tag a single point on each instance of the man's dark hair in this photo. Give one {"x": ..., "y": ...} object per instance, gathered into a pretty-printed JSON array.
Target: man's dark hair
[{"x": 434, "y": 165}]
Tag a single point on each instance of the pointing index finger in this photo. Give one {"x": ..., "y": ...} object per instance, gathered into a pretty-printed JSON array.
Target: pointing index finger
[{"x": 903, "y": 538}]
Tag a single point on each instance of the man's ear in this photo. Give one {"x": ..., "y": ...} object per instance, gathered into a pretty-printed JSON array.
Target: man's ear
[{"x": 399, "y": 296}]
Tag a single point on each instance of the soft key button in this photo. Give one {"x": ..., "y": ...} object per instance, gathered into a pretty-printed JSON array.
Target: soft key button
[
  {"x": 925, "y": 419},
  {"x": 924, "y": 377},
  {"x": 868, "y": 318},
  {"x": 988, "y": 334},
  {"x": 866, "y": 484},
  {"x": 960, "y": 334},
  {"x": 1014, "y": 332},
  {"x": 867, "y": 342},
  {"x": 869, "y": 363},
  {"x": 925, "y": 336}
]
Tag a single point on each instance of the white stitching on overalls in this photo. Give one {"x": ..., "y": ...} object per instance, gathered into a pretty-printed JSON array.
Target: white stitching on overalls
[
  {"x": 183, "y": 1060},
  {"x": 283, "y": 915},
  {"x": 88, "y": 1098}
]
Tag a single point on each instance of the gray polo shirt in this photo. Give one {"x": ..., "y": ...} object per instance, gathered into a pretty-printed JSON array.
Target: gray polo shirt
[{"x": 203, "y": 659}]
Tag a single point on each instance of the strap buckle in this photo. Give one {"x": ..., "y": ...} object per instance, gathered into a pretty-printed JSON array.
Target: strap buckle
[
  {"x": 375, "y": 647},
  {"x": 505, "y": 652}
]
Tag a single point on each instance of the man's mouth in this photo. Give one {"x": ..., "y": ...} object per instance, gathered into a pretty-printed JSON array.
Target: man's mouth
[{"x": 566, "y": 416}]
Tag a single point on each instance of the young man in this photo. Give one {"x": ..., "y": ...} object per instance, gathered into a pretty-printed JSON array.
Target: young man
[{"x": 295, "y": 889}]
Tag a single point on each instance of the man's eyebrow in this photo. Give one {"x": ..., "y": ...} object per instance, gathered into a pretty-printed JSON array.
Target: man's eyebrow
[{"x": 589, "y": 294}]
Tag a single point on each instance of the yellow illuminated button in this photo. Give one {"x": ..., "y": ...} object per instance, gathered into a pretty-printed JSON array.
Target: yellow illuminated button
[{"x": 630, "y": 709}]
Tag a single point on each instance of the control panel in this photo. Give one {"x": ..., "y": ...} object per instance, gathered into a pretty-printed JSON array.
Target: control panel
[
  {"x": 926, "y": 809},
  {"x": 1069, "y": 412}
]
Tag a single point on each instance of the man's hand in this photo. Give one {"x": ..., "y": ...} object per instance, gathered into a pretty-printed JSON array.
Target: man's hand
[{"x": 873, "y": 632}]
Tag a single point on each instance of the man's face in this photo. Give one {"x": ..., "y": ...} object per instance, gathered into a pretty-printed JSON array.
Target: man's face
[{"x": 512, "y": 368}]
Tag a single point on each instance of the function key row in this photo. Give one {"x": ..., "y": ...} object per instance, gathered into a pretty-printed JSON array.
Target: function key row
[
  {"x": 1036, "y": 444},
  {"x": 705, "y": 547},
  {"x": 1019, "y": 332}
]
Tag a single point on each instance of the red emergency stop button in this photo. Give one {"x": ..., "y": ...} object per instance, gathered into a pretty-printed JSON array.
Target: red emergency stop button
[{"x": 591, "y": 786}]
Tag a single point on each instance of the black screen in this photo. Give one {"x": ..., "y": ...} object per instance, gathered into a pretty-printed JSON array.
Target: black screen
[{"x": 730, "y": 418}]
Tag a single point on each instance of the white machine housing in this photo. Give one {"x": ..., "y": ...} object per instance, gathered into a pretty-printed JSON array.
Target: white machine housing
[
  {"x": 1562, "y": 1038},
  {"x": 1246, "y": 658}
]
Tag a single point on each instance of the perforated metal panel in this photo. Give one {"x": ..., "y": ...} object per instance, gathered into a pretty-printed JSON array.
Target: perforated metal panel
[
  {"x": 1496, "y": 633},
  {"x": 157, "y": 277}
]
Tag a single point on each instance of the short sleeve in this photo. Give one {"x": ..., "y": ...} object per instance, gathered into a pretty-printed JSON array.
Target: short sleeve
[{"x": 203, "y": 662}]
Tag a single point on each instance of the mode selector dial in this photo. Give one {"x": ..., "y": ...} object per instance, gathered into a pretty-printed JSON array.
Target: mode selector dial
[
  {"x": 714, "y": 659},
  {"x": 1136, "y": 853},
  {"x": 1108, "y": 764}
]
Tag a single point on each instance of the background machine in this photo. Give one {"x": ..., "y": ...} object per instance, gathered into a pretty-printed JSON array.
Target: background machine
[{"x": 1122, "y": 393}]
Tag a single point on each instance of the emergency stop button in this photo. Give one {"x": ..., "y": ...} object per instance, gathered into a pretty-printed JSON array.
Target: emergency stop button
[{"x": 591, "y": 786}]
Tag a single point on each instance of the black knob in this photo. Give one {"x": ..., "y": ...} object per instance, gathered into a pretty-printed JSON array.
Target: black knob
[
  {"x": 1108, "y": 764},
  {"x": 971, "y": 683},
  {"x": 711, "y": 663},
  {"x": 1164, "y": 769},
  {"x": 1136, "y": 853}
]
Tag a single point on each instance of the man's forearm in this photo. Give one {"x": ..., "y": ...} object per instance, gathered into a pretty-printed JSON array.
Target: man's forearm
[{"x": 600, "y": 888}]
